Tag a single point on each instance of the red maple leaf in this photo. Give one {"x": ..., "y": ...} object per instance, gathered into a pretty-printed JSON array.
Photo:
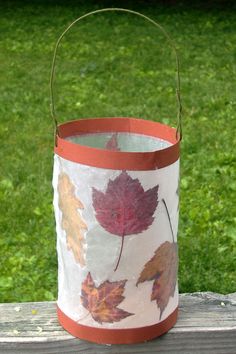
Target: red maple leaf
[
  {"x": 112, "y": 143},
  {"x": 125, "y": 208},
  {"x": 102, "y": 301}
]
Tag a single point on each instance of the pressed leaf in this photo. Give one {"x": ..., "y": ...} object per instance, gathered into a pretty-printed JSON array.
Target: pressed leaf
[
  {"x": 125, "y": 208},
  {"x": 102, "y": 301},
  {"x": 72, "y": 222},
  {"x": 112, "y": 143},
  {"x": 162, "y": 268}
]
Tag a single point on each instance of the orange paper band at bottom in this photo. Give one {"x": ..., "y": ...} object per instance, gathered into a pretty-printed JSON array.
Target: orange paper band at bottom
[{"x": 117, "y": 336}]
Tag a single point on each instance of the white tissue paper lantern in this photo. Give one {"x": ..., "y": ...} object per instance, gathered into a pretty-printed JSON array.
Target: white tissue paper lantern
[{"x": 116, "y": 207}]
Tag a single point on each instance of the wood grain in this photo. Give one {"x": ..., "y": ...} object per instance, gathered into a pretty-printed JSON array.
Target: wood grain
[{"x": 206, "y": 324}]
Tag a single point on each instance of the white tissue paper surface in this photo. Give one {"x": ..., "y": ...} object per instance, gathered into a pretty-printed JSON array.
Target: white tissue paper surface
[{"x": 95, "y": 288}]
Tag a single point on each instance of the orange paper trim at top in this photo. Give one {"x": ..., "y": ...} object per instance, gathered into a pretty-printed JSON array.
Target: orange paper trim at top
[
  {"x": 117, "y": 160},
  {"x": 117, "y": 336}
]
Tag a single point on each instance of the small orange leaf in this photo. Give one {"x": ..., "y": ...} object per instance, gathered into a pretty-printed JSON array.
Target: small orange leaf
[
  {"x": 162, "y": 268},
  {"x": 102, "y": 301},
  {"x": 72, "y": 222}
]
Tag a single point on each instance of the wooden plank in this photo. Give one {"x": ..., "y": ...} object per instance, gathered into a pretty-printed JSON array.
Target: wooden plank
[{"x": 207, "y": 324}]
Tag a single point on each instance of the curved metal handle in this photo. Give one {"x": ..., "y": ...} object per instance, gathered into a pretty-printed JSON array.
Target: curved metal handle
[{"x": 179, "y": 112}]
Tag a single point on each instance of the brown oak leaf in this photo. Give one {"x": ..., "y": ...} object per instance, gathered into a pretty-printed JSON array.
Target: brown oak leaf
[
  {"x": 162, "y": 268},
  {"x": 72, "y": 222},
  {"x": 102, "y": 301}
]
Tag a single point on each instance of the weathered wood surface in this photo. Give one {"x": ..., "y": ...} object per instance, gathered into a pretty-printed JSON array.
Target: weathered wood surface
[{"x": 207, "y": 324}]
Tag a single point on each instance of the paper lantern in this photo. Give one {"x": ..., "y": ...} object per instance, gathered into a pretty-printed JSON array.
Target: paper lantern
[{"x": 116, "y": 207}]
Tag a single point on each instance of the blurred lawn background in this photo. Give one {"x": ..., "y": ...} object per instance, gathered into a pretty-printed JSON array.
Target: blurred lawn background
[{"x": 116, "y": 64}]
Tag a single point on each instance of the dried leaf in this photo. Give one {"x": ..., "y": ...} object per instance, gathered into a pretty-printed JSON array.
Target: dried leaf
[
  {"x": 162, "y": 268},
  {"x": 72, "y": 222},
  {"x": 112, "y": 143},
  {"x": 102, "y": 301},
  {"x": 125, "y": 208}
]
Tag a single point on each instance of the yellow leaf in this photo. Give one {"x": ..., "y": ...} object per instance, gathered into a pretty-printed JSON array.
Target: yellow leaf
[{"x": 71, "y": 222}]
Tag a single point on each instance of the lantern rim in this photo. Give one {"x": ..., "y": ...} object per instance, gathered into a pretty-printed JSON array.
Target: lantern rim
[
  {"x": 118, "y": 335},
  {"x": 117, "y": 160}
]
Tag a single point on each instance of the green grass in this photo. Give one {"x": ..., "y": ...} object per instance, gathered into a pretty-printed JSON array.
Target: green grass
[{"x": 116, "y": 64}]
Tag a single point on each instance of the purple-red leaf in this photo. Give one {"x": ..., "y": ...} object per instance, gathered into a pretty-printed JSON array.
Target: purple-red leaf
[{"x": 125, "y": 208}]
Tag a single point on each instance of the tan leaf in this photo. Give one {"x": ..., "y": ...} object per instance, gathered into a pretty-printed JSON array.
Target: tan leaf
[
  {"x": 162, "y": 268},
  {"x": 102, "y": 301},
  {"x": 71, "y": 222}
]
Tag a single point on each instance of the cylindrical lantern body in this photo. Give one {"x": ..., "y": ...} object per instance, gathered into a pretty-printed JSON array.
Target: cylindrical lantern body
[{"x": 116, "y": 207}]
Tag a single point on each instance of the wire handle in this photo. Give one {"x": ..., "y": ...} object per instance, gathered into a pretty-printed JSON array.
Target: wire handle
[{"x": 178, "y": 97}]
